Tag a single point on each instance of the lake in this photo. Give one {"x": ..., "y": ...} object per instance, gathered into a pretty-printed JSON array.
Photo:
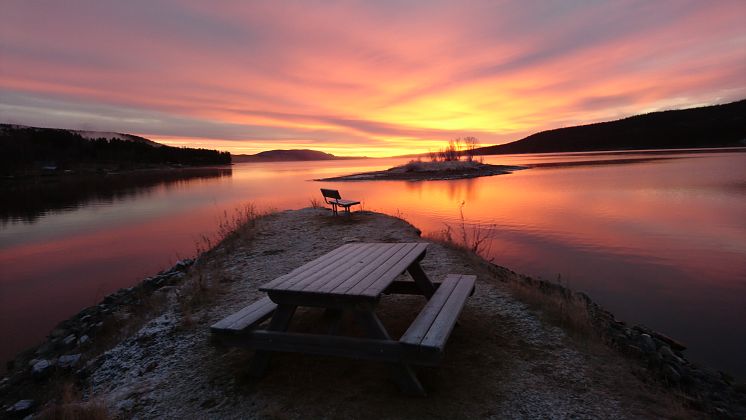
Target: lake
[{"x": 658, "y": 238}]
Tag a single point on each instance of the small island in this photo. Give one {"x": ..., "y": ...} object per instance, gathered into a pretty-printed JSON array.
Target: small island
[
  {"x": 430, "y": 171},
  {"x": 445, "y": 164}
]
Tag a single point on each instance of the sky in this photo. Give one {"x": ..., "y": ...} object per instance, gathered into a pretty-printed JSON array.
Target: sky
[{"x": 375, "y": 78}]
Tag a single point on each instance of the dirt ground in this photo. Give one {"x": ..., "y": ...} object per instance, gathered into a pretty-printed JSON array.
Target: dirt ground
[{"x": 502, "y": 360}]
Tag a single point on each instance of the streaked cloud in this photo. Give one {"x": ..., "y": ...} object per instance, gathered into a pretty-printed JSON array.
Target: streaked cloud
[{"x": 375, "y": 78}]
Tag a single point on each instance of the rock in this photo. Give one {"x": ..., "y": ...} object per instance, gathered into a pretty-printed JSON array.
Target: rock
[
  {"x": 69, "y": 339},
  {"x": 21, "y": 407},
  {"x": 41, "y": 367},
  {"x": 58, "y": 332},
  {"x": 671, "y": 374},
  {"x": 83, "y": 339},
  {"x": 674, "y": 344},
  {"x": 68, "y": 360},
  {"x": 647, "y": 344},
  {"x": 668, "y": 355}
]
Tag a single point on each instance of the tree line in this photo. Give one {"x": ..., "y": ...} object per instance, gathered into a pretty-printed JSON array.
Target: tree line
[{"x": 28, "y": 148}]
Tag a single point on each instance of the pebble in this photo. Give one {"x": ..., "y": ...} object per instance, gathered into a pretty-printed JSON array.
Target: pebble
[
  {"x": 20, "y": 406},
  {"x": 41, "y": 367},
  {"x": 69, "y": 360},
  {"x": 69, "y": 339},
  {"x": 82, "y": 340}
]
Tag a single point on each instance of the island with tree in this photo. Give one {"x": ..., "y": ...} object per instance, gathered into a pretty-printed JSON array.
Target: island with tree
[{"x": 457, "y": 160}]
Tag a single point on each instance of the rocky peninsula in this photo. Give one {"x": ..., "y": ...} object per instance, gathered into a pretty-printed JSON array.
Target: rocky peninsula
[
  {"x": 525, "y": 347},
  {"x": 430, "y": 171}
]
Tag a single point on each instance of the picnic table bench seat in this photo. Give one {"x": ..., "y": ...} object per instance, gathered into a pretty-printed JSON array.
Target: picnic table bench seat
[
  {"x": 246, "y": 318},
  {"x": 429, "y": 332}
]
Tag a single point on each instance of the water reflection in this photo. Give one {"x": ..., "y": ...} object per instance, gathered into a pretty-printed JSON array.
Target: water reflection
[
  {"x": 659, "y": 242},
  {"x": 28, "y": 200}
]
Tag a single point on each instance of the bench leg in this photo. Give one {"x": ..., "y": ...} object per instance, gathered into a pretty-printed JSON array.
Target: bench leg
[
  {"x": 421, "y": 279},
  {"x": 280, "y": 322},
  {"x": 401, "y": 373}
]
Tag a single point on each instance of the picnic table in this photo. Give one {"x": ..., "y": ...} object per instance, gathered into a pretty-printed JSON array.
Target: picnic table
[{"x": 352, "y": 279}]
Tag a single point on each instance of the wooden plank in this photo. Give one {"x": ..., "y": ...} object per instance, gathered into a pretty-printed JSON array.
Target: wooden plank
[
  {"x": 359, "y": 285},
  {"x": 374, "y": 285},
  {"x": 421, "y": 325},
  {"x": 331, "y": 254},
  {"x": 389, "y": 251},
  {"x": 419, "y": 276},
  {"x": 260, "y": 313},
  {"x": 319, "y": 264},
  {"x": 331, "y": 270},
  {"x": 261, "y": 306},
  {"x": 280, "y": 322},
  {"x": 446, "y": 319},
  {"x": 332, "y": 279}
]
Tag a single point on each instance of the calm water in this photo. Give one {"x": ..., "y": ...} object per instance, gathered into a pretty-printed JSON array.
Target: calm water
[{"x": 659, "y": 239}]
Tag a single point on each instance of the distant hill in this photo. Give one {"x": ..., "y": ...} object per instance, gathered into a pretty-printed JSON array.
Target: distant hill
[
  {"x": 32, "y": 149},
  {"x": 288, "y": 156},
  {"x": 710, "y": 126}
]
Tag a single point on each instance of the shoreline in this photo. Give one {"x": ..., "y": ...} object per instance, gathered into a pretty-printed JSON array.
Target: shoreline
[{"x": 71, "y": 348}]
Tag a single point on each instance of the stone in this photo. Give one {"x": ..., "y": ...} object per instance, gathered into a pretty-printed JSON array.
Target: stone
[
  {"x": 646, "y": 343},
  {"x": 58, "y": 332},
  {"x": 69, "y": 360},
  {"x": 83, "y": 339},
  {"x": 671, "y": 374},
  {"x": 69, "y": 339},
  {"x": 20, "y": 407},
  {"x": 41, "y": 367},
  {"x": 668, "y": 355}
]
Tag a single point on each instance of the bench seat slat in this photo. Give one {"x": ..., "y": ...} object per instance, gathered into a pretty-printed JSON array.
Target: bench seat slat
[
  {"x": 246, "y": 317},
  {"x": 443, "y": 325},
  {"x": 434, "y": 324}
]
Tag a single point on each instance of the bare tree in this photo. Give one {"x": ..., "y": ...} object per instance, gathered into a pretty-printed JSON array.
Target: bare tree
[{"x": 471, "y": 144}]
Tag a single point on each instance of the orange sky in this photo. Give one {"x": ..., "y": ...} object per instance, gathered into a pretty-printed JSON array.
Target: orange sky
[{"x": 360, "y": 78}]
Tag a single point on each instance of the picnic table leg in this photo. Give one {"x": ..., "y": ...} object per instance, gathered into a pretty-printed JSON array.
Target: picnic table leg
[
  {"x": 402, "y": 373},
  {"x": 280, "y": 322},
  {"x": 334, "y": 317},
  {"x": 421, "y": 279}
]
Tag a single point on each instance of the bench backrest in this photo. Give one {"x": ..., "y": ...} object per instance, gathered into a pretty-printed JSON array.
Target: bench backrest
[{"x": 330, "y": 194}]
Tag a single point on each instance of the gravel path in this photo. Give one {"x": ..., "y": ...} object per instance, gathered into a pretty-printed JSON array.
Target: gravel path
[{"x": 501, "y": 362}]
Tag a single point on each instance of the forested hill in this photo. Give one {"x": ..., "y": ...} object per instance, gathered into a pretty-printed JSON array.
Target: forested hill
[
  {"x": 288, "y": 156},
  {"x": 30, "y": 149},
  {"x": 711, "y": 126}
]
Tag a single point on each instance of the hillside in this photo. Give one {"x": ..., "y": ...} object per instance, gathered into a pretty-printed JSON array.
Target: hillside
[
  {"x": 711, "y": 126},
  {"x": 287, "y": 156},
  {"x": 29, "y": 150}
]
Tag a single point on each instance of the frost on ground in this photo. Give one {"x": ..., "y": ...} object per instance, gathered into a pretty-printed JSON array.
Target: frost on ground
[{"x": 502, "y": 361}]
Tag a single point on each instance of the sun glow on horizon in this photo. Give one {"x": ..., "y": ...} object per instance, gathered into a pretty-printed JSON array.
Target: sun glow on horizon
[{"x": 361, "y": 79}]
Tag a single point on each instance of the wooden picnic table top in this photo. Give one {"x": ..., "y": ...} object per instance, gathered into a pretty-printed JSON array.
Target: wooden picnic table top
[{"x": 354, "y": 271}]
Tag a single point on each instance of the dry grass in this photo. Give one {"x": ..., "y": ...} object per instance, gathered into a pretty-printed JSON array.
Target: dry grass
[
  {"x": 315, "y": 203},
  {"x": 72, "y": 407},
  {"x": 472, "y": 237},
  {"x": 205, "y": 280},
  {"x": 558, "y": 305}
]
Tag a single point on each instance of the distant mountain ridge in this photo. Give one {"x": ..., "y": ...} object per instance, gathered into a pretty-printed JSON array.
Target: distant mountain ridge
[
  {"x": 288, "y": 155},
  {"x": 710, "y": 126},
  {"x": 87, "y": 134}
]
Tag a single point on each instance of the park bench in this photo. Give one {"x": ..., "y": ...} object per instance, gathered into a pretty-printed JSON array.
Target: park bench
[
  {"x": 352, "y": 279},
  {"x": 333, "y": 198}
]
